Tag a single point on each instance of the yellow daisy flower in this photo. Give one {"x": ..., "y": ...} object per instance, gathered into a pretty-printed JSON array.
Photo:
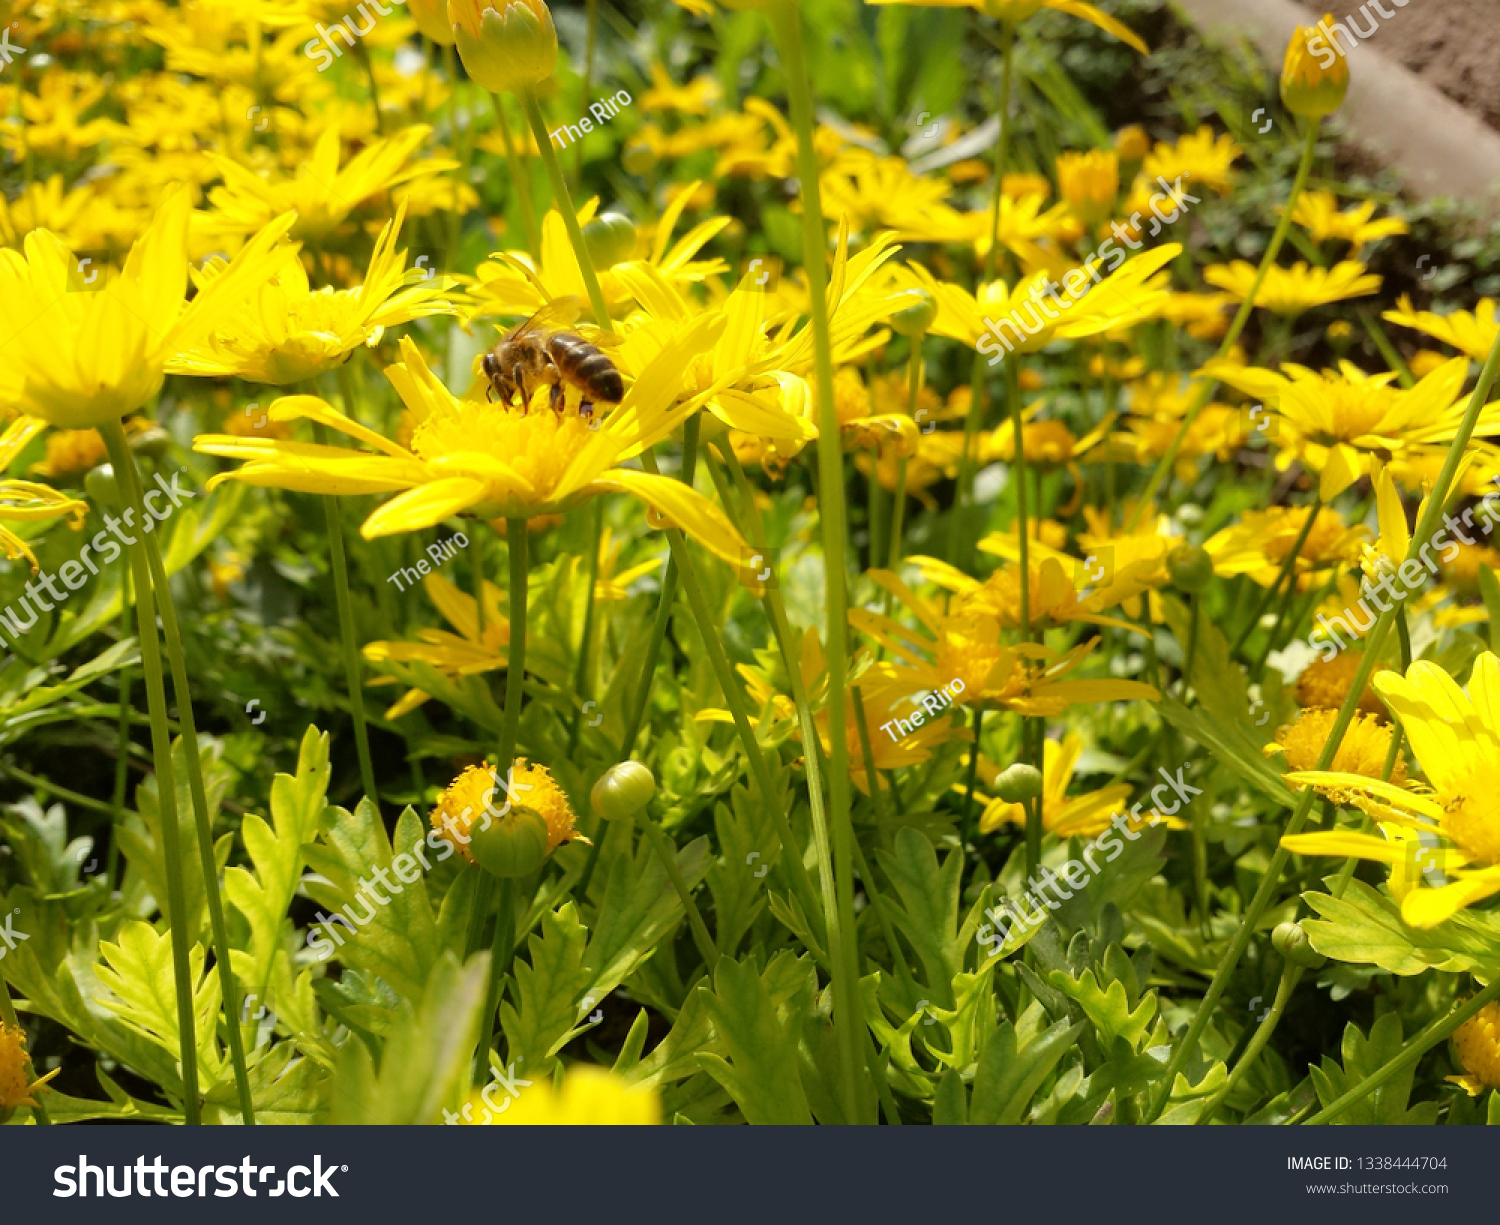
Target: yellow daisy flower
[
  {"x": 288, "y": 333},
  {"x": 27, "y": 501},
  {"x": 1337, "y": 423},
  {"x": 1317, "y": 213},
  {"x": 86, "y": 348},
  {"x": 1455, "y": 735},
  {"x": 1362, "y": 752},
  {"x": 1203, "y": 158},
  {"x": 1471, "y": 332},
  {"x": 492, "y": 460},
  {"x": 1258, "y": 544},
  {"x": 478, "y": 796},
  {"x": 590, "y": 1096},
  {"x": 1063, "y": 816},
  {"x": 322, "y": 193},
  {"x": 1324, "y": 684},
  {"x": 1290, "y": 291}
]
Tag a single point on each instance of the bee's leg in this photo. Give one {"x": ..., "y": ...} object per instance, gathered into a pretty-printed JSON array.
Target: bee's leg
[
  {"x": 586, "y": 410},
  {"x": 556, "y": 397},
  {"x": 520, "y": 382}
]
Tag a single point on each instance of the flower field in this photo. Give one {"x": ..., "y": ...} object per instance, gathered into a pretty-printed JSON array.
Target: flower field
[{"x": 735, "y": 561}]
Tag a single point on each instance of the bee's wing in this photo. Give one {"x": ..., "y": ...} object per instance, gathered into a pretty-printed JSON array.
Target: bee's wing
[{"x": 558, "y": 313}]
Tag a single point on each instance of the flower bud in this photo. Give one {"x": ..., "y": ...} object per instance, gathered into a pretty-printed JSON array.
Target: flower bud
[
  {"x": 915, "y": 319},
  {"x": 508, "y": 49},
  {"x": 1291, "y": 942},
  {"x": 622, "y": 791},
  {"x": 1190, "y": 567},
  {"x": 609, "y": 238},
  {"x": 152, "y": 441},
  {"x": 431, "y": 17},
  {"x": 1018, "y": 783},
  {"x": 510, "y": 844},
  {"x": 639, "y": 157},
  {"x": 102, "y": 486},
  {"x": 1315, "y": 74}
]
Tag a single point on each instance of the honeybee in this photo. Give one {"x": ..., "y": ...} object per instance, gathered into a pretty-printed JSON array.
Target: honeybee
[{"x": 539, "y": 352}]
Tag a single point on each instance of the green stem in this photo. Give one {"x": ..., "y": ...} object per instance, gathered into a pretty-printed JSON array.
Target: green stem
[
  {"x": 1288, "y": 563},
  {"x": 520, "y": 179},
  {"x": 1410, "y": 1054},
  {"x": 463, "y": 150},
  {"x": 666, "y": 852},
  {"x": 786, "y": 24},
  {"x": 564, "y": 204},
  {"x": 122, "y": 762},
  {"x": 581, "y": 676},
  {"x": 166, "y": 784},
  {"x": 970, "y": 817},
  {"x": 353, "y": 672},
  {"x": 515, "y": 673},
  {"x": 501, "y": 948},
  {"x": 898, "y": 510},
  {"x": 476, "y": 561},
  {"x": 47, "y": 787},
  {"x": 1375, "y": 643},
  {"x": 1289, "y": 979},
  {"x": 707, "y": 630},
  {"x": 653, "y": 651},
  {"x": 1242, "y": 316},
  {"x": 978, "y": 385}
]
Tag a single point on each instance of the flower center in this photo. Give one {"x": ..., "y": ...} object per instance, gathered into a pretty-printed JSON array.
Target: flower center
[{"x": 538, "y": 444}]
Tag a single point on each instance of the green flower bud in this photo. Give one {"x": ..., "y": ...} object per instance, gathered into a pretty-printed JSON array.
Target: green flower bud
[
  {"x": 510, "y": 845},
  {"x": 506, "y": 45},
  {"x": 1019, "y": 782},
  {"x": 1191, "y": 568},
  {"x": 1291, "y": 942},
  {"x": 609, "y": 238},
  {"x": 639, "y": 157},
  {"x": 102, "y": 487},
  {"x": 153, "y": 442},
  {"x": 915, "y": 319},
  {"x": 622, "y": 791}
]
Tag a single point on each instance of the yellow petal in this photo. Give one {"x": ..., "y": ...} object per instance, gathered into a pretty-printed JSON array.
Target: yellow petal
[
  {"x": 685, "y": 507},
  {"x": 424, "y": 506}
]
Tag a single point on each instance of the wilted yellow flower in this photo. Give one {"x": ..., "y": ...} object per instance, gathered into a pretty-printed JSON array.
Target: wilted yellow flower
[
  {"x": 1477, "y": 1045},
  {"x": 1314, "y": 75},
  {"x": 1324, "y": 684},
  {"x": 1363, "y": 750},
  {"x": 479, "y": 797},
  {"x": 507, "y": 49},
  {"x": 15, "y": 1089}
]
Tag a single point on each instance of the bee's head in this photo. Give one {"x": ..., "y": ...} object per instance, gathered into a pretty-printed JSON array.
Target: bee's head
[{"x": 490, "y": 366}]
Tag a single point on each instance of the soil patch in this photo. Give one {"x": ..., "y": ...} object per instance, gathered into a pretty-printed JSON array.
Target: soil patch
[{"x": 1452, "y": 45}]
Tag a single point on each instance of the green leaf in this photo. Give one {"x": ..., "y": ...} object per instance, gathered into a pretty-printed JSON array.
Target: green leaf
[
  {"x": 1362, "y": 1058},
  {"x": 760, "y": 1066},
  {"x": 396, "y": 940},
  {"x": 1234, "y": 743},
  {"x": 1109, "y": 1009},
  {"x": 425, "y": 1059},
  {"x": 1366, "y": 926},
  {"x": 748, "y": 847},
  {"x": 275, "y": 850},
  {"x": 1012, "y": 1066},
  {"x": 139, "y": 974},
  {"x": 928, "y": 914},
  {"x": 547, "y": 992}
]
